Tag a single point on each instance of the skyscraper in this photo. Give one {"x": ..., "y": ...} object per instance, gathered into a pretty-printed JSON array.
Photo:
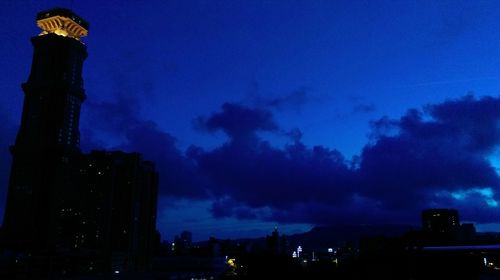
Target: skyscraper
[
  {"x": 68, "y": 212},
  {"x": 47, "y": 142},
  {"x": 118, "y": 194}
]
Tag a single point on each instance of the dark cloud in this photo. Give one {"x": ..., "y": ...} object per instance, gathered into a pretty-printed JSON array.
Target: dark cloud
[
  {"x": 360, "y": 104},
  {"x": 120, "y": 120},
  {"x": 259, "y": 180},
  {"x": 441, "y": 149},
  {"x": 178, "y": 173},
  {"x": 239, "y": 122},
  {"x": 228, "y": 207},
  {"x": 445, "y": 149},
  {"x": 474, "y": 122},
  {"x": 265, "y": 176},
  {"x": 435, "y": 157},
  {"x": 294, "y": 100},
  {"x": 295, "y": 135}
]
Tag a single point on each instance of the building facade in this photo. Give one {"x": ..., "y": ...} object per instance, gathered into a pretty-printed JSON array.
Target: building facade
[
  {"x": 96, "y": 209},
  {"x": 440, "y": 220},
  {"x": 118, "y": 202},
  {"x": 47, "y": 143}
]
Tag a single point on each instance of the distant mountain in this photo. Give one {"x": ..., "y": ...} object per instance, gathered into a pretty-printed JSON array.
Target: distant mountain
[
  {"x": 332, "y": 236},
  {"x": 345, "y": 235}
]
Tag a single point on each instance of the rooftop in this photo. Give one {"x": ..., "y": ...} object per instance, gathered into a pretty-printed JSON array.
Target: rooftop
[{"x": 62, "y": 22}]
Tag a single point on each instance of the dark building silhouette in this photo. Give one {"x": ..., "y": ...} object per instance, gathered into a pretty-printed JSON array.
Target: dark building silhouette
[
  {"x": 118, "y": 194},
  {"x": 95, "y": 212},
  {"x": 440, "y": 220},
  {"x": 183, "y": 242},
  {"x": 47, "y": 143},
  {"x": 276, "y": 244},
  {"x": 467, "y": 232}
]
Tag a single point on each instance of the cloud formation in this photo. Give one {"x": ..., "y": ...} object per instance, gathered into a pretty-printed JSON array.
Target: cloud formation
[
  {"x": 410, "y": 164},
  {"x": 434, "y": 157},
  {"x": 293, "y": 100},
  {"x": 240, "y": 123},
  {"x": 178, "y": 173}
]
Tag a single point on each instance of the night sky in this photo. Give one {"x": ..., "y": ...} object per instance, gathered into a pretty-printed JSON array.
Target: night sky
[{"x": 285, "y": 113}]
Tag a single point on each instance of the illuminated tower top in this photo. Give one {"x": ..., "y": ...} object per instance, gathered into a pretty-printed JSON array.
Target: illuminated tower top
[{"x": 62, "y": 22}]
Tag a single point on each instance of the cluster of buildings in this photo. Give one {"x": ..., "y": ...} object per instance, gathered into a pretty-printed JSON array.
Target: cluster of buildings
[
  {"x": 72, "y": 213},
  {"x": 69, "y": 212}
]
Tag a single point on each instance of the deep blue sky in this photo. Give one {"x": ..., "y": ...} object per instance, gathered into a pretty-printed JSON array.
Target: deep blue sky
[{"x": 288, "y": 113}]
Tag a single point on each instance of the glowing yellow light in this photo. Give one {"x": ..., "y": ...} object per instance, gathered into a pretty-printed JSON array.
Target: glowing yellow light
[
  {"x": 62, "y": 26},
  {"x": 231, "y": 263},
  {"x": 61, "y": 32}
]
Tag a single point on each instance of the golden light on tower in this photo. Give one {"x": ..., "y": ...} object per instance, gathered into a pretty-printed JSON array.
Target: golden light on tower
[{"x": 62, "y": 22}]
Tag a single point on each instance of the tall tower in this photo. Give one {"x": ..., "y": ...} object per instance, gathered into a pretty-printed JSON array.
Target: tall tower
[{"x": 47, "y": 143}]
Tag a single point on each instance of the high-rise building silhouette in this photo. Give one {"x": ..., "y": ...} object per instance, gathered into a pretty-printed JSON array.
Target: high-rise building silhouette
[
  {"x": 440, "y": 220},
  {"x": 67, "y": 211},
  {"x": 118, "y": 194},
  {"x": 47, "y": 142}
]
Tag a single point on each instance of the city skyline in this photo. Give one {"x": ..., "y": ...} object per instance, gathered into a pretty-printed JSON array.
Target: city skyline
[{"x": 252, "y": 126}]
